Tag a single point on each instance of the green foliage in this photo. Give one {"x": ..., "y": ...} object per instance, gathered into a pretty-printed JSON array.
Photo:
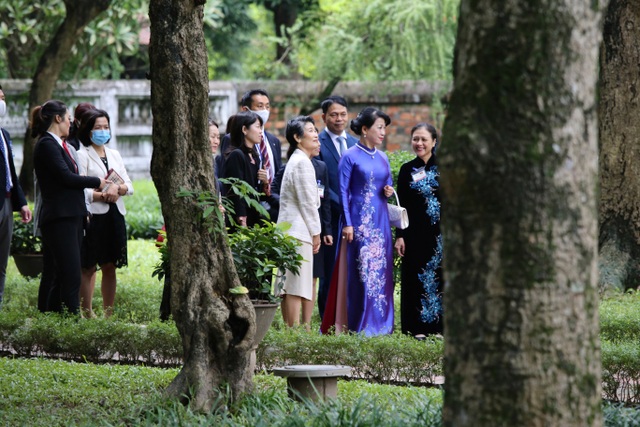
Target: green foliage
[
  {"x": 381, "y": 40},
  {"x": 23, "y": 241},
  {"x": 144, "y": 216},
  {"x": 228, "y": 31},
  {"x": 620, "y": 318},
  {"x": 260, "y": 250},
  {"x": 615, "y": 414},
  {"x": 397, "y": 159},
  {"x": 45, "y": 392},
  {"x": 385, "y": 359},
  {"x": 257, "y": 251},
  {"x": 26, "y": 29},
  {"x": 621, "y": 371}
]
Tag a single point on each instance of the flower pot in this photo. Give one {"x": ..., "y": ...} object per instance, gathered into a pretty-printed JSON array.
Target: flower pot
[
  {"x": 265, "y": 312},
  {"x": 29, "y": 265}
]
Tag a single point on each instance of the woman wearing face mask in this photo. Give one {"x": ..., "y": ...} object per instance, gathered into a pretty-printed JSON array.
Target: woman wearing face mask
[{"x": 105, "y": 243}]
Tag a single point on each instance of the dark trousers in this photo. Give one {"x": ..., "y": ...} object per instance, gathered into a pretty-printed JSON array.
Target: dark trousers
[
  {"x": 62, "y": 240},
  {"x": 329, "y": 262},
  {"x": 46, "y": 279}
]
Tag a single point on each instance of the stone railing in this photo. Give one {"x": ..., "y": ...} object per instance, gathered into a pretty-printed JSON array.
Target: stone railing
[{"x": 128, "y": 103}]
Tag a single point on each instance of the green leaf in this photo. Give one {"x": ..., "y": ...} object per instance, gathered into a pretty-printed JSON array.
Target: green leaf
[{"x": 239, "y": 290}]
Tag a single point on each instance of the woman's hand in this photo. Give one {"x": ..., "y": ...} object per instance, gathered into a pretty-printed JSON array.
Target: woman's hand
[
  {"x": 316, "y": 243},
  {"x": 347, "y": 234},
  {"x": 111, "y": 195},
  {"x": 399, "y": 246},
  {"x": 388, "y": 190},
  {"x": 103, "y": 182}
]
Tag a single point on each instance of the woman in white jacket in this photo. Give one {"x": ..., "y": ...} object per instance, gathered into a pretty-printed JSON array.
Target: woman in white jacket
[
  {"x": 299, "y": 203},
  {"x": 105, "y": 241}
]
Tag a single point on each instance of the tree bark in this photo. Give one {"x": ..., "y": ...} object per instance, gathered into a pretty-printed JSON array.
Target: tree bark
[
  {"x": 619, "y": 112},
  {"x": 79, "y": 14},
  {"x": 216, "y": 327},
  {"x": 519, "y": 169}
]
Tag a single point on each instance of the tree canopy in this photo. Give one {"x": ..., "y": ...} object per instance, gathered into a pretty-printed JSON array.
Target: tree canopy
[{"x": 314, "y": 39}]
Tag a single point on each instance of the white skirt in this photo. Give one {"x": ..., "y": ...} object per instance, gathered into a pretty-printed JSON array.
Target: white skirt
[{"x": 301, "y": 284}]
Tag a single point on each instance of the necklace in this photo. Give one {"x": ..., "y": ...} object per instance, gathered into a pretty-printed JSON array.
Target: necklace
[{"x": 367, "y": 150}]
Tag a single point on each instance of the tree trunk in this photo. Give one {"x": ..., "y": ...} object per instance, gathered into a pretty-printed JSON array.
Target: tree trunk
[
  {"x": 216, "y": 327},
  {"x": 79, "y": 14},
  {"x": 519, "y": 169},
  {"x": 619, "y": 112}
]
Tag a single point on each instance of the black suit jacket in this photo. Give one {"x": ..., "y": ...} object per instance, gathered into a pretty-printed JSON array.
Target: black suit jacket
[
  {"x": 17, "y": 195},
  {"x": 60, "y": 185}
]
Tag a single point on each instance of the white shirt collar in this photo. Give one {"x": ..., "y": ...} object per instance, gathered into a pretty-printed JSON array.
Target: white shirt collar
[
  {"x": 334, "y": 136},
  {"x": 56, "y": 137}
]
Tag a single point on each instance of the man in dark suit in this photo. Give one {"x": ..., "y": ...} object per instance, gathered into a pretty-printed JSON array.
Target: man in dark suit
[
  {"x": 12, "y": 198},
  {"x": 270, "y": 151},
  {"x": 334, "y": 140}
]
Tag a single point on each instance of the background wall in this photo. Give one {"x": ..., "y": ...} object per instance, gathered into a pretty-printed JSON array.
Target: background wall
[{"x": 129, "y": 106}]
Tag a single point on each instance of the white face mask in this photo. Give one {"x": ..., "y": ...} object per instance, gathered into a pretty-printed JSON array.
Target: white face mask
[
  {"x": 264, "y": 115},
  {"x": 3, "y": 108}
]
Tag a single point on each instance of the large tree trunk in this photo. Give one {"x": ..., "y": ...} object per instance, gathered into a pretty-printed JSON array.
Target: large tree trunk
[
  {"x": 619, "y": 112},
  {"x": 79, "y": 14},
  {"x": 519, "y": 171},
  {"x": 216, "y": 327}
]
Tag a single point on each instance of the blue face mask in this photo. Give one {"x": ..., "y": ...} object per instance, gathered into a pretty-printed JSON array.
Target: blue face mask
[{"x": 100, "y": 137}]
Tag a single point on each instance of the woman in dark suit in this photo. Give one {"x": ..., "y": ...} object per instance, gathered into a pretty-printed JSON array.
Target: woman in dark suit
[{"x": 63, "y": 208}]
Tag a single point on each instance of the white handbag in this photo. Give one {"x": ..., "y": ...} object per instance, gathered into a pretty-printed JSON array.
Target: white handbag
[{"x": 398, "y": 216}]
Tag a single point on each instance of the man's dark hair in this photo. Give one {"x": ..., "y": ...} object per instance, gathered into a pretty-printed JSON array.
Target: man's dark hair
[
  {"x": 333, "y": 99},
  {"x": 246, "y": 99}
]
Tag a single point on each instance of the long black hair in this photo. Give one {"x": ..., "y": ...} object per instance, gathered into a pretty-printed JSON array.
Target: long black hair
[{"x": 42, "y": 116}]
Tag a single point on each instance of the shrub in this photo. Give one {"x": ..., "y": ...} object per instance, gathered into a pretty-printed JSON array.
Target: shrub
[
  {"x": 621, "y": 371},
  {"x": 144, "y": 216},
  {"x": 385, "y": 359},
  {"x": 619, "y": 317}
]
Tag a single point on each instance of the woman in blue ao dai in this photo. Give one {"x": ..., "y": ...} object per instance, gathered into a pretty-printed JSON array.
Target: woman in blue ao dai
[{"x": 362, "y": 286}]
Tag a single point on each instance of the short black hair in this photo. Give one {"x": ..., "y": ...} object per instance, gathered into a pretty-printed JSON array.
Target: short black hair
[
  {"x": 333, "y": 99},
  {"x": 295, "y": 126},
  {"x": 246, "y": 99},
  {"x": 86, "y": 125}
]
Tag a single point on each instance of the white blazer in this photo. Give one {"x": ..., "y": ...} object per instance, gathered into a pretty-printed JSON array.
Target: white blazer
[
  {"x": 89, "y": 164},
  {"x": 299, "y": 198}
]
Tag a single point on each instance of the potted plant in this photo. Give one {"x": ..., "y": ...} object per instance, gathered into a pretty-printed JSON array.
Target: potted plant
[
  {"x": 26, "y": 248},
  {"x": 260, "y": 253}
]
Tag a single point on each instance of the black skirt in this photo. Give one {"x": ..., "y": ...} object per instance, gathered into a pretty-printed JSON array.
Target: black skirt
[{"x": 105, "y": 240}]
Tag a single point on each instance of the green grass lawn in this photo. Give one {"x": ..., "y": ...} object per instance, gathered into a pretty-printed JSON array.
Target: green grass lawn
[{"x": 40, "y": 392}]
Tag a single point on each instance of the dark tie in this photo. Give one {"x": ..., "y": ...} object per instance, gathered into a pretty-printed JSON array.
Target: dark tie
[
  {"x": 5, "y": 159},
  {"x": 66, "y": 148}
]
